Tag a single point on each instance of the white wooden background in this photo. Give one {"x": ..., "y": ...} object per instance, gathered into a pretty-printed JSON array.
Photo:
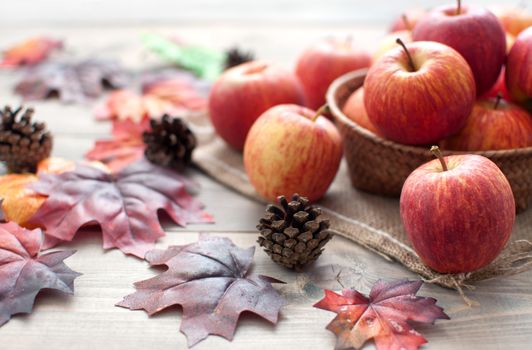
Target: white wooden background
[{"x": 277, "y": 30}]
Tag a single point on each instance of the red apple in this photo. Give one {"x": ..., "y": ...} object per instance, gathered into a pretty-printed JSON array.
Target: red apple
[
  {"x": 407, "y": 21},
  {"x": 499, "y": 87},
  {"x": 494, "y": 124},
  {"x": 472, "y": 31},
  {"x": 292, "y": 149},
  {"x": 389, "y": 42},
  {"x": 355, "y": 110},
  {"x": 319, "y": 65},
  {"x": 458, "y": 212},
  {"x": 519, "y": 69},
  {"x": 513, "y": 19},
  {"x": 241, "y": 94},
  {"x": 420, "y": 93}
]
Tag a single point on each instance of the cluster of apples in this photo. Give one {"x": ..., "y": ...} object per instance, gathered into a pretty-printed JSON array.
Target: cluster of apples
[
  {"x": 271, "y": 115},
  {"x": 444, "y": 84},
  {"x": 455, "y": 77}
]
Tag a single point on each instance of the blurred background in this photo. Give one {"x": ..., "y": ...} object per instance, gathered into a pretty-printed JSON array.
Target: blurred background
[
  {"x": 208, "y": 12},
  {"x": 276, "y": 30}
]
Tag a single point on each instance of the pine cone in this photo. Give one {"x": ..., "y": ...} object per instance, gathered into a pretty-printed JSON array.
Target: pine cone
[
  {"x": 169, "y": 143},
  {"x": 23, "y": 144},
  {"x": 293, "y": 235},
  {"x": 236, "y": 57}
]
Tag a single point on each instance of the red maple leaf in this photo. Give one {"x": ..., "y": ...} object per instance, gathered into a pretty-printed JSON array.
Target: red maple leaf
[
  {"x": 384, "y": 316},
  {"x": 30, "y": 52},
  {"x": 23, "y": 272},
  {"x": 210, "y": 279},
  {"x": 125, "y": 205},
  {"x": 125, "y": 147}
]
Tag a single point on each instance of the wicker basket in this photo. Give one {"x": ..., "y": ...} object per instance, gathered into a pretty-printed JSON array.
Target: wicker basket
[{"x": 381, "y": 166}]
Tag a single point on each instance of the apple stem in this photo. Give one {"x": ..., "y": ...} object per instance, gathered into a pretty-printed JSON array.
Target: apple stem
[
  {"x": 459, "y": 7},
  {"x": 406, "y": 22},
  {"x": 498, "y": 99},
  {"x": 410, "y": 60},
  {"x": 320, "y": 111},
  {"x": 436, "y": 151}
]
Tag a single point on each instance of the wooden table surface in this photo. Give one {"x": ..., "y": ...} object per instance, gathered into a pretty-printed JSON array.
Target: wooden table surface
[{"x": 89, "y": 319}]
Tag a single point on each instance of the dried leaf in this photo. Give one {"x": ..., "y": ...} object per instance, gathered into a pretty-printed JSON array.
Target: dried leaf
[
  {"x": 125, "y": 204},
  {"x": 167, "y": 92},
  {"x": 180, "y": 88},
  {"x": 30, "y": 52},
  {"x": 24, "y": 272},
  {"x": 125, "y": 147},
  {"x": 205, "y": 62},
  {"x": 20, "y": 202},
  {"x": 125, "y": 104},
  {"x": 383, "y": 316},
  {"x": 72, "y": 82},
  {"x": 210, "y": 279}
]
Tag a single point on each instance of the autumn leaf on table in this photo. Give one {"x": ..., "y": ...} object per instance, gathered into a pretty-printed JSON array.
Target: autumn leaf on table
[
  {"x": 211, "y": 281},
  {"x": 205, "y": 62},
  {"x": 383, "y": 316},
  {"x": 125, "y": 147},
  {"x": 179, "y": 87},
  {"x": 126, "y": 104},
  {"x": 72, "y": 82},
  {"x": 29, "y": 52},
  {"x": 24, "y": 272},
  {"x": 125, "y": 205},
  {"x": 20, "y": 202},
  {"x": 167, "y": 92}
]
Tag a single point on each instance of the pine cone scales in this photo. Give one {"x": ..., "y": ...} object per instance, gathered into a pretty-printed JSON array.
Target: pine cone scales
[
  {"x": 23, "y": 144},
  {"x": 292, "y": 234},
  {"x": 169, "y": 143}
]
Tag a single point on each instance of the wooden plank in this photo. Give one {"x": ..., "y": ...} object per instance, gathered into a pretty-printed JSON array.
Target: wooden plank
[{"x": 89, "y": 320}]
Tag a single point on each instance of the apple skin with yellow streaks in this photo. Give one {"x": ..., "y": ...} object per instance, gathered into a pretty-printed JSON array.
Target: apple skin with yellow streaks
[
  {"x": 421, "y": 105},
  {"x": 519, "y": 69},
  {"x": 458, "y": 220},
  {"x": 493, "y": 125},
  {"x": 289, "y": 151},
  {"x": 241, "y": 94},
  {"x": 474, "y": 32}
]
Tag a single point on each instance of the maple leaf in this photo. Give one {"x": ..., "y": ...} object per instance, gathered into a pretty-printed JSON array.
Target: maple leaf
[
  {"x": 73, "y": 82},
  {"x": 125, "y": 147},
  {"x": 180, "y": 88},
  {"x": 210, "y": 279},
  {"x": 126, "y": 104},
  {"x": 24, "y": 273},
  {"x": 19, "y": 202},
  {"x": 383, "y": 316},
  {"x": 125, "y": 205},
  {"x": 30, "y": 52}
]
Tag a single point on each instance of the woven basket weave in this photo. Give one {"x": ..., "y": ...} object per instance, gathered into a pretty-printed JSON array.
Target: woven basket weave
[{"x": 381, "y": 166}]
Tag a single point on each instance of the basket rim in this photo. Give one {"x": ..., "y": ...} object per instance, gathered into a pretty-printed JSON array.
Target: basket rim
[{"x": 341, "y": 117}]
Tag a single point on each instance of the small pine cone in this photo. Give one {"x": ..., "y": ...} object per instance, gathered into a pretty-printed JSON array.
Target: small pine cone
[
  {"x": 23, "y": 144},
  {"x": 235, "y": 57},
  {"x": 169, "y": 143},
  {"x": 292, "y": 234}
]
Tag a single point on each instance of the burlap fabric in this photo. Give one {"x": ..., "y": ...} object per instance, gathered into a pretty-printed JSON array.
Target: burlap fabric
[{"x": 369, "y": 220}]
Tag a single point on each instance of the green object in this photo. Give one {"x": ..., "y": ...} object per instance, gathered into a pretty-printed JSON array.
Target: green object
[{"x": 206, "y": 63}]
